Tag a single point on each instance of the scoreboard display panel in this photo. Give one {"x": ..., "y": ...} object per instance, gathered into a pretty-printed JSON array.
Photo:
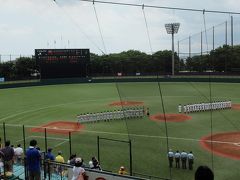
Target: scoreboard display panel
[{"x": 62, "y": 63}]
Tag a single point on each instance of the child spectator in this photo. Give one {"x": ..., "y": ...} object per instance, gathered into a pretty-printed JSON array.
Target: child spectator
[
  {"x": 96, "y": 164},
  {"x": 18, "y": 152},
  {"x": 122, "y": 171},
  {"x": 71, "y": 159}
]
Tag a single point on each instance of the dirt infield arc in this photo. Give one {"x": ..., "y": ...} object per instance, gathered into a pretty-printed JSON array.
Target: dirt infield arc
[
  {"x": 236, "y": 106},
  {"x": 223, "y": 144},
  {"x": 170, "y": 117},
  {"x": 59, "y": 127},
  {"x": 127, "y": 103}
]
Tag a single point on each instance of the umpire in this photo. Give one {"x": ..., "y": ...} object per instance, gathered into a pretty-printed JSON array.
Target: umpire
[
  {"x": 190, "y": 158},
  {"x": 170, "y": 158}
]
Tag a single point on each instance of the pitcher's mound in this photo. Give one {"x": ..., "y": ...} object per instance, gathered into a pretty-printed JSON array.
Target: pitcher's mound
[
  {"x": 223, "y": 144},
  {"x": 59, "y": 127},
  {"x": 171, "y": 117},
  {"x": 126, "y": 103},
  {"x": 236, "y": 106}
]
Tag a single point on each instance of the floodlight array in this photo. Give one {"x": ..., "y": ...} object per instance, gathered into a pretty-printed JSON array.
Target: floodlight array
[{"x": 172, "y": 28}]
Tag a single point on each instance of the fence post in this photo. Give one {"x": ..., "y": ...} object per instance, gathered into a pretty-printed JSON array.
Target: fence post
[
  {"x": 24, "y": 140},
  {"x": 45, "y": 134},
  {"x": 4, "y": 133},
  {"x": 130, "y": 156},
  {"x": 98, "y": 148},
  {"x": 49, "y": 171},
  {"x": 70, "y": 143}
]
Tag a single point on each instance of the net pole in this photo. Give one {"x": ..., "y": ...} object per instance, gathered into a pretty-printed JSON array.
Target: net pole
[
  {"x": 232, "y": 31},
  {"x": 213, "y": 38},
  {"x": 226, "y": 31}
]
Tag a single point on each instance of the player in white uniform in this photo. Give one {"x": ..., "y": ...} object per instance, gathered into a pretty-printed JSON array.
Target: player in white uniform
[{"x": 180, "y": 108}]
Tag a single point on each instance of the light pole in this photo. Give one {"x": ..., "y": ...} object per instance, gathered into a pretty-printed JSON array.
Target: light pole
[{"x": 172, "y": 28}]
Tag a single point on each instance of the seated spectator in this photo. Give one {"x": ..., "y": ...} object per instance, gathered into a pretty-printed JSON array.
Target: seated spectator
[
  {"x": 18, "y": 152},
  {"x": 78, "y": 171},
  {"x": 96, "y": 164},
  {"x": 71, "y": 159},
  {"x": 122, "y": 171},
  {"x": 204, "y": 173}
]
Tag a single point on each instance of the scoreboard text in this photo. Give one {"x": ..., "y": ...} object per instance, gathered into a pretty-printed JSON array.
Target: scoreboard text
[{"x": 62, "y": 63}]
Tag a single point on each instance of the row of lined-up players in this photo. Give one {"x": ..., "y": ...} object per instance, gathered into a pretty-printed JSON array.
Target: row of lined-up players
[
  {"x": 204, "y": 106},
  {"x": 112, "y": 115},
  {"x": 182, "y": 157}
]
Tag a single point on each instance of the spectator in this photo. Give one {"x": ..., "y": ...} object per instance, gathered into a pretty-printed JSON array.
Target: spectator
[
  {"x": 49, "y": 155},
  {"x": 1, "y": 161},
  {"x": 33, "y": 158},
  {"x": 59, "y": 159},
  {"x": 122, "y": 171},
  {"x": 96, "y": 164},
  {"x": 170, "y": 158},
  {"x": 71, "y": 159},
  {"x": 18, "y": 152},
  {"x": 190, "y": 158},
  {"x": 177, "y": 156},
  {"x": 204, "y": 173},
  {"x": 8, "y": 156},
  {"x": 78, "y": 171}
]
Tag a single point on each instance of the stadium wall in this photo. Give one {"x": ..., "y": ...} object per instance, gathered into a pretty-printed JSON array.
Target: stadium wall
[{"x": 118, "y": 79}]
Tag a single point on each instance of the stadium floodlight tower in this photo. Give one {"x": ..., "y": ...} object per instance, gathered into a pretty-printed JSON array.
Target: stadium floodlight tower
[{"x": 172, "y": 29}]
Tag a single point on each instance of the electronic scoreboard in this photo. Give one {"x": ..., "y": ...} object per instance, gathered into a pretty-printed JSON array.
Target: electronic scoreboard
[{"x": 62, "y": 63}]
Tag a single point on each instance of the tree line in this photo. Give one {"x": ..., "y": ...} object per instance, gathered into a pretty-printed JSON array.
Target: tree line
[{"x": 223, "y": 59}]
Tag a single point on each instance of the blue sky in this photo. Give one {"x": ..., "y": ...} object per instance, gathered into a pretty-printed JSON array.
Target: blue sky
[{"x": 29, "y": 24}]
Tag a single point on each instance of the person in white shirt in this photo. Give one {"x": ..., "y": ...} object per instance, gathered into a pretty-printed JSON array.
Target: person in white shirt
[
  {"x": 18, "y": 152},
  {"x": 184, "y": 159},
  {"x": 180, "y": 108},
  {"x": 170, "y": 158},
  {"x": 190, "y": 158},
  {"x": 78, "y": 171},
  {"x": 177, "y": 156}
]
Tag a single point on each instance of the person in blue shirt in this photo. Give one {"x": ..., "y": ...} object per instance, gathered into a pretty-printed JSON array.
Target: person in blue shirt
[
  {"x": 33, "y": 159},
  {"x": 49, "y": 155}
]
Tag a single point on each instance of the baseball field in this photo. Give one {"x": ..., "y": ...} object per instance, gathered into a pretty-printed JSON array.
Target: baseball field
[{"x": 213, "y": 136}]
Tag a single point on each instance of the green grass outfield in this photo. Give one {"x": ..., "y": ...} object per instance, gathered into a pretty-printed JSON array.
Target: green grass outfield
[{"x": 35, "y": 106}]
